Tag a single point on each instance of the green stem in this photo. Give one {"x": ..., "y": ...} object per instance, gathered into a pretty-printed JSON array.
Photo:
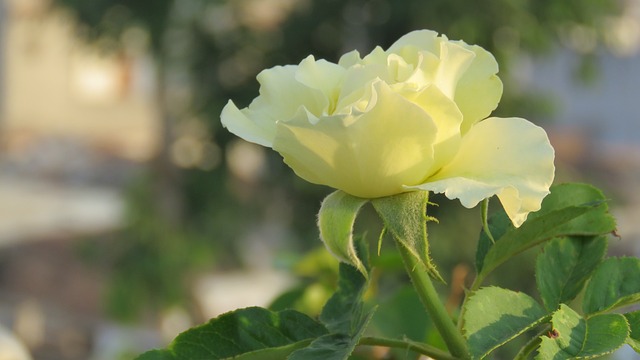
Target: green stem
[
  {"x": 484, "y": 213},
  {"x": 423, "y": 349},
  {"x": 429, "y": 297}
]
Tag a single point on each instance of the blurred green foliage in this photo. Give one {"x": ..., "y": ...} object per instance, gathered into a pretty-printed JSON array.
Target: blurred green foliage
[{"x": 211, "y": 51}]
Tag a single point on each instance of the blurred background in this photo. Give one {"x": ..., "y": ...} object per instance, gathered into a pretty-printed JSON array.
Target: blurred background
[{"x": 127, "y": 213}]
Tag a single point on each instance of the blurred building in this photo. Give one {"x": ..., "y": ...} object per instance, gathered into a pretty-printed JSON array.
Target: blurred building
[
  {"x": 75, "y": 124},
  {"x": 72, "y": 117},
  {"x": 56, "y": 85},
  {"x": 595, "y": 127}
]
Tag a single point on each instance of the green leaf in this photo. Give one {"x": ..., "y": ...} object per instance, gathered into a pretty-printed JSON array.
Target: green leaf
[
  {"x": 402, "y": 316},
  {"x": 251, "y": 333},
  {"x": 596, "y": 221},
  {"x": 574, "y": 337},
  {"x": 495, "y": 316},
  {"x": 615, "y": 283},
  {"x": 633, "y": 318},
  {"x": 405, "y": 216},
  {"x": 570, "y": 209},
  {"x": 332, "y": 346},
  {"x": 329, "y": 347},
  {"x": 343, "y": 315},
  {"x": 565, "y": 265},
  {"x": 337, "y": 216}
]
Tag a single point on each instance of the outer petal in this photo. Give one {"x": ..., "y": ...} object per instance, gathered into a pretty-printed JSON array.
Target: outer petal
[
  {"x": 282, "y": 94},
  {"x": 479, "y": 89},
  {"x": 312, "y": 85},
  {"x": 508, "y": 157},
  {"x": 260, "y": 131},
  {"x": 257, "y": 123},
  {"x": 368, "y": 155}
]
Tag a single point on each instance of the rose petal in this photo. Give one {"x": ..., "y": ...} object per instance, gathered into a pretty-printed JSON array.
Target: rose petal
[
  {"x": 399, "y": 69},
  {"x": 376, "y": 56},
  {"x": 508, "y": 157},
  {"x": 349, "y": 59},
  {"x": 367, "y": 155},
  {"x": 423, "y": 39},
  {"x": 356, "y": 88},
  {"x": 323, "y": 76},
  {"x": 313, "y": 86},
  {"x": 479, "y": 89},
  {"x": 474, "y": 86},
  {"x": 435, "y": 58},
  {"x": 447, "y": 117},
  {"x": 282, "y": 94},
  {"x": 259, "y": 130},
  {"x": 454, "y": 62}
]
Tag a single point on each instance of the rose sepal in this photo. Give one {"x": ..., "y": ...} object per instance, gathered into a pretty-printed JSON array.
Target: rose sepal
[
  {"x": 336, "y": 218},
  {"x": 405, "y": 217}
]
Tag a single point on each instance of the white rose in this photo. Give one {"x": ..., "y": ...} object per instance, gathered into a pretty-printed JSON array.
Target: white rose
[{"x": 412, "y": 117}]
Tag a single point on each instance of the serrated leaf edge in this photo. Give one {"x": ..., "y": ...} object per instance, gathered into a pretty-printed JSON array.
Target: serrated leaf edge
[
  {"x": 543, "y": 337},
  {"x": 537, "y": 322}
]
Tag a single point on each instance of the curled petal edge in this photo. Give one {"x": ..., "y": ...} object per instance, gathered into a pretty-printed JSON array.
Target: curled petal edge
[{"x": 508, "y": 157}]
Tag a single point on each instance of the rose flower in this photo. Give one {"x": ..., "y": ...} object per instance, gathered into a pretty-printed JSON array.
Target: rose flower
[{"x": 412, "y": 117}]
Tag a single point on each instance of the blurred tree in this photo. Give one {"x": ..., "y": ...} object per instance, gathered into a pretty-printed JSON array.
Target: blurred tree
[{"x": 209, "y": 51}]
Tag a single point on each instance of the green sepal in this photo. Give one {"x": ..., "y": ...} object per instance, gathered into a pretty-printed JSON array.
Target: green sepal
[
  {"x": 336, "y": 218},
  {"x": 405, "y": 217},
  {"x": 574, "y": 337},
  {"x": 484, "y": 214},
  {"x": 565, "y": 265},
  {"x": 495, "y": 316},
  {"x": 614, "y": 284}
]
